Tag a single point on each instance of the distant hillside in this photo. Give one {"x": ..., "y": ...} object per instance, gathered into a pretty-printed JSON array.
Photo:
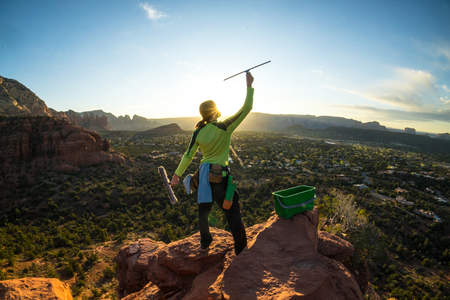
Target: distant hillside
[
  {"x": 268, "y": 122},
  {"x": 296, "y": 129},
  {"x": 385, "y": 138},
  {"x": 165, "y": 129},
  {"x": 171, "y": 128},
  {"x": 186, "y": 123},
  {"x": 17, "y": 99}
]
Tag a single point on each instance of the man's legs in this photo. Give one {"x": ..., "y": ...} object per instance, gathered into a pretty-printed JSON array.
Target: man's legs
[{"x": 203, "y": 213}]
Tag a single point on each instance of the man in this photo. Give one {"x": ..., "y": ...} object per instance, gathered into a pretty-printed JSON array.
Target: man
[{"x": 214, "y": 139}]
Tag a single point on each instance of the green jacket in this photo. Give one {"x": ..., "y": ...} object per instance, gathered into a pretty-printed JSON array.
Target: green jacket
[{"x": 215, "y": 138}]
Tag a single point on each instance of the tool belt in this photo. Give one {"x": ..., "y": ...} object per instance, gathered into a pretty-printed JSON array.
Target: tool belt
[{"x": 216, "y": 173}]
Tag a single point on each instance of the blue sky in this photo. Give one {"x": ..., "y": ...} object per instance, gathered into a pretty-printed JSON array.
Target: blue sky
[{"x": 387, "y": 61}]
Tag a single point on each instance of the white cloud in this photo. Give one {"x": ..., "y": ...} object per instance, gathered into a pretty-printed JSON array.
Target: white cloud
[
  {"x": 152, "y": 13},
  {"x": 185, "y": 63},
  {"x": 400, "y": 115},
  {"x": 438, "y": 51},
  {"x": 444, "y": 87},
  {"x": 317, "y": 72},
  {"x": 328, "y": 86},
  {"x": 195, "y": 66},
  {"x": 413, "y": 94},
  {"x": 443, "y": 50},
  {"x": 413, "y": 90}
]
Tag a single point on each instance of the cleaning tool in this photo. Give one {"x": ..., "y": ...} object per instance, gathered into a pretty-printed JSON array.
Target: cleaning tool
[
  {"x": 246, "y": 71},
  {"x": 166, "y": 182}
]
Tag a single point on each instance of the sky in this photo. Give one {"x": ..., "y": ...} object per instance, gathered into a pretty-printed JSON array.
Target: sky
[{"x": 385, "y": 61}]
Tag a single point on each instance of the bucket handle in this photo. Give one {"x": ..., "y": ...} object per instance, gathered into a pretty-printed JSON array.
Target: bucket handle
[{"x": 296, "y": 205}]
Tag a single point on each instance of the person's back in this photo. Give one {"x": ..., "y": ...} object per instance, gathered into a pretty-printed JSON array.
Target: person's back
[{"x": 214, "y": 139}]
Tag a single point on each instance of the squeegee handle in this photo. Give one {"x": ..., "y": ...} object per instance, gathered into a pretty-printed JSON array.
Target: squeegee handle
[{"x": 246, "y": 71}]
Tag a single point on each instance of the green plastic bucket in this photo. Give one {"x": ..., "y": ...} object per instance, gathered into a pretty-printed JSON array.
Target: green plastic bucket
[{"x": 294, "y": 200}]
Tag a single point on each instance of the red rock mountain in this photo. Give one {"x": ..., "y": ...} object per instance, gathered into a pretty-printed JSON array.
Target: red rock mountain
[
  {"x": 25, "y": 137},
  {"x": 17, "y": 99},
  {"x": 285, "y": 259},
  {"x": 89, "y": 120}
]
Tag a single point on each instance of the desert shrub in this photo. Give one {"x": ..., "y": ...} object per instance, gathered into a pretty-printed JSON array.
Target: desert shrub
[
  {"x": 70, "y": 271},
  {"x": 109, "y": 273},
  {"x": 3, "y": 275},
  {"x": 76, "y": 290},
  {"x": 426, "y": 262},
  {"x": 52, "y": 274},
  {"x": 96, "y": 293},
  {"x": 93, "y": 258}
]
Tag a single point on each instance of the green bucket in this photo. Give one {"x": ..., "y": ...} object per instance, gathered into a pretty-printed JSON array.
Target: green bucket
[{"x": 294, "y": 200}]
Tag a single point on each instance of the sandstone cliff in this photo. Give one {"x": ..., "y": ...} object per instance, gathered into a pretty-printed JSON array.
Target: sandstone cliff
[
  {"x": 17, "y": 99},
  {"x": 89, "y": 120},
  {"x": 285, "y": 259},
  {"x": 137, "y": 123},
  {"x": 50, "y": 138},
  {"x": 98, "y": 119}
]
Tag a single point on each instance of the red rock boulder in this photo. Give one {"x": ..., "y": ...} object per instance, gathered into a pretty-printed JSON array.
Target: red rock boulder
[
  {"x": 34, "y": 288},
  {"x": 283, "y": 263},
  {"x": 285, "y": 259},
  {"x": 334, "y": 247}
]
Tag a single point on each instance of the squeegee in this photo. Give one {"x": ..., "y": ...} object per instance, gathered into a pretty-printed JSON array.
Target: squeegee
[{"x": 246, "y": 71}]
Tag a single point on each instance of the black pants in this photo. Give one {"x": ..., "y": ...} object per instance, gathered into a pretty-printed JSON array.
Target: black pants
[{"x": 233, "y": 216}]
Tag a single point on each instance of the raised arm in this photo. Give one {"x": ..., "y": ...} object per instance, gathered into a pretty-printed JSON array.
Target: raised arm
[{"x": 233, "y": 122}]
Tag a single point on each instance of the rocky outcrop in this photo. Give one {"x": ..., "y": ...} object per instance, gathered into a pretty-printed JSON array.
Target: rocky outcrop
[
  {"x": 333, "y": 246},
  {"x": 371, "y": 125},
  {"x": 34, "y": 288},
  {"x": 17, "y": 99},
  {"x": 410, "y": 130},
  {"x": 445, "y": 136},
  {"x": 98, "y": 119},
  {"x": 49, "y": 138},
  {"x": 285, "y": 259},
  {"x": 89, "y": 120}
]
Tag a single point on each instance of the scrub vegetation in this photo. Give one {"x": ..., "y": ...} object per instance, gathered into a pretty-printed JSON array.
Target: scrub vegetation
[{"x": 71, "y": 225}]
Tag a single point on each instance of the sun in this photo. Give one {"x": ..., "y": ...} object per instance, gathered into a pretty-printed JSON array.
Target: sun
[{"x": 228, "y": 95}]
